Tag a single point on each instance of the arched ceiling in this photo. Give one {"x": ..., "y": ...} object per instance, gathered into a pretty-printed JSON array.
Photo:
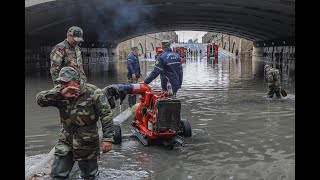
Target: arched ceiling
[{"x": 110, "y": 22}]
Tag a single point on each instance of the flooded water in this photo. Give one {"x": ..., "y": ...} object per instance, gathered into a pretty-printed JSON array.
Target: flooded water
[{"x": 238, "y": 133}]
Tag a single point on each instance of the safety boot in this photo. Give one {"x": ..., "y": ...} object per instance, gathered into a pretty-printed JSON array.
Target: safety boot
[
  {"x": 270, "y": 94},
  {"x": 278, "y": 95}
]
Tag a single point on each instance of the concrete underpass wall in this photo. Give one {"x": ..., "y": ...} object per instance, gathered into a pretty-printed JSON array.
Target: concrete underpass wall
[
  {"x": 37, "y": 59},
  {"x": 229, "y": 43},
  {"x": 280, "y": 57},
  {"x": 146, "y": 44},
  {"x": 276, "y": 56},
  {"x": 245, "y": 47},
  {"x": 285, "y": 52},
  {"x": 97, "y": 56}
]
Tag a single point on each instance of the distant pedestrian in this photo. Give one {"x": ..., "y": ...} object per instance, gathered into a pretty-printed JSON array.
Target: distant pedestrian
[{"x": 134, "y": 72}]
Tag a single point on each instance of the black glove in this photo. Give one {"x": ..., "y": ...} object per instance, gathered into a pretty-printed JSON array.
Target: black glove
[
  {"x": 112, "y": 94},
  {"x": 122, "y": 95},
  {"x": 123, "y": 90},
  {"x": 117, "y": 91}
]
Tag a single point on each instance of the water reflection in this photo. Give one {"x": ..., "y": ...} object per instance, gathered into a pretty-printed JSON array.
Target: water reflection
[{"x": 237, "y": 132}]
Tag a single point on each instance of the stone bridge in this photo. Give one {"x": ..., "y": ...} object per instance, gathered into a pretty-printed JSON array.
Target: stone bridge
[{"x": 106, "y": 23}]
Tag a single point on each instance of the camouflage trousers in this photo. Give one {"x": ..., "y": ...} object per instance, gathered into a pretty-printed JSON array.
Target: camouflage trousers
[
  {"x": 132, "y": 97},
  {"x": 62, "y": 166},
  {"x": 273, "y": 89}
]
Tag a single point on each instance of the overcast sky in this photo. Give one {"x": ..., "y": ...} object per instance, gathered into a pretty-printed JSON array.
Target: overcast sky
[{"x": 186, "y": 35}]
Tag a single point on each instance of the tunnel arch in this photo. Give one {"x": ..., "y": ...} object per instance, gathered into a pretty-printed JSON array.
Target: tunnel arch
[{"x": 108, "y": 22}]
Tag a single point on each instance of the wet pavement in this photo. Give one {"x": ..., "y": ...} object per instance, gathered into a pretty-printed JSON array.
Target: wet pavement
[{"x": 238, "y": 133}]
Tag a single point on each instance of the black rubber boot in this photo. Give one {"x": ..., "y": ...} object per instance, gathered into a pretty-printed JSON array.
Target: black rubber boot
[
  {"x": 270, "y": 94},
  {"x": 89, "y": 169},
  {"x": 61, "y": 167},
  {"x": 278, "y": 95}
]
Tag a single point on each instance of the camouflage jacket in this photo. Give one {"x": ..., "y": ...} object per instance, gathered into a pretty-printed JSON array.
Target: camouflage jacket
[
  {"x": 273, "y": 77},
  {"x": 64, "y": 54},
  {"x": 79, "y": 116}
]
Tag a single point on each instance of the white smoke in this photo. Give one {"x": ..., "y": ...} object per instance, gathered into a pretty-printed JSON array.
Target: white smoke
[{"x": 114, "y": 18}]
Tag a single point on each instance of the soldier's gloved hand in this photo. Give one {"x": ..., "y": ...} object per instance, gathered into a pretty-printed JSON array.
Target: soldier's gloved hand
[
  {"x": 122, "y": 95},
  {"x": 111, "y": 91}
]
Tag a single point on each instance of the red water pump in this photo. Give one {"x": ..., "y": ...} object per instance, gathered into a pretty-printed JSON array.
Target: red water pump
[{"x": 157, "y": 117}]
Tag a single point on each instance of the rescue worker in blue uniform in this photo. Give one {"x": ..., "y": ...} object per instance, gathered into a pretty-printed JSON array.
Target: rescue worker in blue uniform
[
  {"x": 134, "y": 72},
  {"x": 169, "y": 66}
]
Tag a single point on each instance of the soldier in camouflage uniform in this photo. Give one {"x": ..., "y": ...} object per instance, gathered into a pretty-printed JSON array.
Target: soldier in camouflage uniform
[
  {"x": 272, "y": 76},
  {"x": 80, "y": 105},
  {"x": 67, "y": 53}
]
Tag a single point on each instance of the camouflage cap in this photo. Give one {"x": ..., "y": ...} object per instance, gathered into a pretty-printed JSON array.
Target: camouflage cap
[
  {"x": 68, "y": 73},
  {"x": 76, "y": 33},
  {"x": 165, "y": 43},
  {"x": 266, "y": 66},
  {"x": 134, "y": 48}
]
